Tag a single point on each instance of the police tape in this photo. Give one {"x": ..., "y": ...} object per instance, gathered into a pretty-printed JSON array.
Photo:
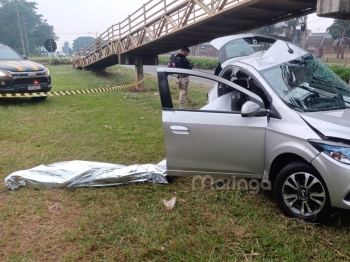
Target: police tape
[{"x": 72, "y": 92}]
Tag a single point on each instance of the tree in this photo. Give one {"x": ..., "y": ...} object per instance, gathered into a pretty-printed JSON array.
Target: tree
[
  {"x": 287, "y": 29},
  {"x": 339, "y": 29},
  {"x": 82, "y": 42},
  {"x": 37, "y": 30},
  {"x": 66, "y": 49}
]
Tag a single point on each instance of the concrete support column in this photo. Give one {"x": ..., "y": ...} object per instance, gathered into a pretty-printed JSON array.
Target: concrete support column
[
  {"x": 339, "y": 9},
  {"x": 139, "y": 73}
]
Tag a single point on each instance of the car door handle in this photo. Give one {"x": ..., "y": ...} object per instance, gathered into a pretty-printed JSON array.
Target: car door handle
[{"x": 180, "y": 130}]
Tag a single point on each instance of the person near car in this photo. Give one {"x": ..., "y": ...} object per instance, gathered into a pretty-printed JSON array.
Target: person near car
[
  {"x": 181, "y": 61},
  {"x": 171, "y": 60},
  {"x": 218, "y": 69}
]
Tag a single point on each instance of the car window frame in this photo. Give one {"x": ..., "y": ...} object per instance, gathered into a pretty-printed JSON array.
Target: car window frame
[
  {"x": 273, "y": 111},
  {"x": 165, "y": 95}
]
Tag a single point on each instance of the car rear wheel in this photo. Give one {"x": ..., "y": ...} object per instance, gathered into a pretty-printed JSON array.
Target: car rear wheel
[{"x": 300, "y": 192}]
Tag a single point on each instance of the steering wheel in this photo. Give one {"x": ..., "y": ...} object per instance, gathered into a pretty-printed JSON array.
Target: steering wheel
[{"x": 310, "y": 100}]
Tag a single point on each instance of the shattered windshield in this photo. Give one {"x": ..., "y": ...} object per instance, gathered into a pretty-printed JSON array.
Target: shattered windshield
[
  {"x": 307, "y": 85},
  {"x": 245, "y": 47}
]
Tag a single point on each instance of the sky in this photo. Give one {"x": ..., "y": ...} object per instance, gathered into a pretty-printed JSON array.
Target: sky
[{"x": 75, "y": 18}]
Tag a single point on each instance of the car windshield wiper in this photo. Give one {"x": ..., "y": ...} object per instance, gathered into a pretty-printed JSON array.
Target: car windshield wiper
[{"x": 312, "y": 90}]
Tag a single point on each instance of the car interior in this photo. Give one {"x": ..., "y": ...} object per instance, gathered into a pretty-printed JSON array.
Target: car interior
[{"x": 238, "y": 99}]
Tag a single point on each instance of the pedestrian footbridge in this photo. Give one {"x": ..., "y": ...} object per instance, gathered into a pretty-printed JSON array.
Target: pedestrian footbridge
[{"x": 160, "y": 26}]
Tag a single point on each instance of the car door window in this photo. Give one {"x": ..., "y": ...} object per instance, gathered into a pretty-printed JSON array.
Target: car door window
[
  {"x": 231, "y": 99},
  {"x": 245, "y": 80}
]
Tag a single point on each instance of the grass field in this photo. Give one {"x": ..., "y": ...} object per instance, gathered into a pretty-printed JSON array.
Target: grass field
[{"x": 130, "y": 223}]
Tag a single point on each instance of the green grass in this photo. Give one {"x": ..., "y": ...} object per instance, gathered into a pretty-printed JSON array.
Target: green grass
[{"x": 130, "y": 223}]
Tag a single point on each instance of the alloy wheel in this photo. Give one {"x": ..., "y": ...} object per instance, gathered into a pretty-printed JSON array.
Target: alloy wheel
[{"x": 304, "y": 194}]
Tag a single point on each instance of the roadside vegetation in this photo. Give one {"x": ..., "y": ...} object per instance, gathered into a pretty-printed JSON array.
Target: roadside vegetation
[
  {"x": 130, "y": 223},
  {"x": 342, "y": 72},
  {"x": 47, "y": 60},
  {"x": 200, "y": 63}
]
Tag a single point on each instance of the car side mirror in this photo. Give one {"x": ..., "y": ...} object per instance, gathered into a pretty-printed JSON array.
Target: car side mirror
[
  {"x": 25, "y": 57},
  {"x": 252, "y": 109}
]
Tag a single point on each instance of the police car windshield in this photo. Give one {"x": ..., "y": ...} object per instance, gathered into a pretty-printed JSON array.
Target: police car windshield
[
  {"x": 245, "y": 47},
  {"x": 7, "y": 53}
]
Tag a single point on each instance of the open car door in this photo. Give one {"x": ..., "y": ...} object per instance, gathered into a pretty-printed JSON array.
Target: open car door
[{"x": 215, "y": 140}]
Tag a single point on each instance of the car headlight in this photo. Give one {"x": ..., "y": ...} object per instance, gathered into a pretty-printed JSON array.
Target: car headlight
[
  {"x": 47, "y": 72},
  {"x": 337, "y": 151},
  {"x": 5, "y": 74}
]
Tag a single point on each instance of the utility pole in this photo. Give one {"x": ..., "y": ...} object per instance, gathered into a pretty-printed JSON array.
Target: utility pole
[
  {"x": 20, "y": 29},
  {"x": 304, "y": 26},
  {"x": 25, "y": 36}
]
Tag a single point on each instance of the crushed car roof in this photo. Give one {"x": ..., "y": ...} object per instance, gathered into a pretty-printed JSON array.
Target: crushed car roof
[
  {"x": 279, "y": 52},
  {"x": 220, "y": 42}
]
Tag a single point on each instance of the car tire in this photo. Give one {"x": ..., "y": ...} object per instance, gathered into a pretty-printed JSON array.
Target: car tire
[
  {"x": 41, "y": 98},
  {"x": 301, "y": 193}
]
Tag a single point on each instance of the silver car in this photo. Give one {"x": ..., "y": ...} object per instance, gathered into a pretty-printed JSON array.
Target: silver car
[{"x": 275, "y": 113}]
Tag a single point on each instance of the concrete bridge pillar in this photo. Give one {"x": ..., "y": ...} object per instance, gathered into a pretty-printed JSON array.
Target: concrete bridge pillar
[{"x": 339, "y": 9}]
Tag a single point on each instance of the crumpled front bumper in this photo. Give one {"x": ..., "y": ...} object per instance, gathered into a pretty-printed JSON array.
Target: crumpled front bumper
[{"x": 337, "y": 178}]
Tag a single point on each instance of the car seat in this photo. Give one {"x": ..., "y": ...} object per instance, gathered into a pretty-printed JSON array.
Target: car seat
[{"x": 237, "y": 101}]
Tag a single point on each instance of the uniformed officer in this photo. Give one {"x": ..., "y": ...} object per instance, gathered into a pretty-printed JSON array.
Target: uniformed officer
[{"x": 183, "y": 80}]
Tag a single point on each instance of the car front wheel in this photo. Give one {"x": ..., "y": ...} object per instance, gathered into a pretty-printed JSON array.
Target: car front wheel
[{"x": 300, "y": 192}]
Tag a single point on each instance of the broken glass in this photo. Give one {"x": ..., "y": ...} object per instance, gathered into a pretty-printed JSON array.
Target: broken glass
[{"x": 307, "y": 85}]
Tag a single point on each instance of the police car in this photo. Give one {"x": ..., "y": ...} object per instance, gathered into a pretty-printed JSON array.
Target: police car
[{"x": 19, "y": 75}]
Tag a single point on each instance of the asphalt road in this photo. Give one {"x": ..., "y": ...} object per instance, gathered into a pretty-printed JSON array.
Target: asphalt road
[{"x": 153, "y": 71}]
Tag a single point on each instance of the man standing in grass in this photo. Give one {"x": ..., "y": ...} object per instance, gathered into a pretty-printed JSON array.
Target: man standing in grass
[{"x": 183, "y": 80}]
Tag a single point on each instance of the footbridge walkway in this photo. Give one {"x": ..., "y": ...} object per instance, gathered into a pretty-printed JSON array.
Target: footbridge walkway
[{"x": 160, "y": 26}]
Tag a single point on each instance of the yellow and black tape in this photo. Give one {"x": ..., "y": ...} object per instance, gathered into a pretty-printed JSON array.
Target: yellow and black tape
[{"x": 73, "y": 92}]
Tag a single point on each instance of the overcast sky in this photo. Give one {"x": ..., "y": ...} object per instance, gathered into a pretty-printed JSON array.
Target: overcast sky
[{"x": 74, "y": 18}]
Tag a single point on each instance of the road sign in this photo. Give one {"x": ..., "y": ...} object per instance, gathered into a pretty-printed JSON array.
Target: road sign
[{"x": 50, "y": 45}]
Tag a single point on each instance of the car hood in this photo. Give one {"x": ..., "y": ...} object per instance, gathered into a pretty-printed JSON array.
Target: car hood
[
  {"x": 332, "y": 124},
  {"x": 20, "y": 66}
]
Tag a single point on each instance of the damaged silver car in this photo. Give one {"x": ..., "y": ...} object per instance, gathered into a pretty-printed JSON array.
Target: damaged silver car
[{"x": 275, "y": 113}]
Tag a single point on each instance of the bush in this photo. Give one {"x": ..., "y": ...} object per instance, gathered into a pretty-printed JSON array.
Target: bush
[
  {"x": 342, "y": 72},
  {"x": 200, "y": 63}
]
